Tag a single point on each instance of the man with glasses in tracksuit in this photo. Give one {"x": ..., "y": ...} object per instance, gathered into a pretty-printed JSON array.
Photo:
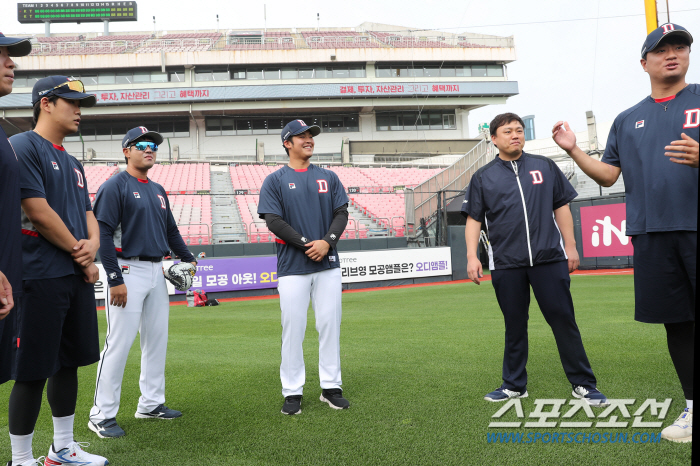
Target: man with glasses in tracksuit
[{"x": 524, "y": 201}]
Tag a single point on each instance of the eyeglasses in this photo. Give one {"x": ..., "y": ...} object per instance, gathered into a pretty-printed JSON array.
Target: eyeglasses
[
  {"x": 143, "y": 145},
  {"x": 76, "y": 86}
]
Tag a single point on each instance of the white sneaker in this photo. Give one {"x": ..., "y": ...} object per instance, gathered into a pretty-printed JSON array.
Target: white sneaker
[
  {"x": 682, "y": 430},
  {"x": 32, "y": 462},
  {"x": 74, "y": 454}
]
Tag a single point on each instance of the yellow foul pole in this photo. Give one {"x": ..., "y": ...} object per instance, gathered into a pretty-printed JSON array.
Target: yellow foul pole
[{"x": 650, "y": 11}]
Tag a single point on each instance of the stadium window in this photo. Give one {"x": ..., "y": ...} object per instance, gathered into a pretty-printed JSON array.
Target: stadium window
[
  {"x": 142, "y": 77},
  {"x": 357, "y": 72},
  {"x": 431, "y": 71},
  {"x": 228, "y": 127},
  {"x": 479, "y": 71},
  {"x": 259, "y": 125},
  {"x": 448, "y": 121},
  {"x": 88, "y": 132},
  {"x": 182, "y": 128},
  {"x": 103, "y": 131},
  {"x": 90, "y": 80},
  {"x": 124, "y": 78},
  {"x": 409, "y": 121},
  {"x": 221, "y": 75},
  {"x": 176, "y": 76},
  {"x": 384, "y": 121},
  {"x": 494, "y": 70},
  {"x": 335, "y": 123},
  {"x": 322, "y": 72},
  {"x": 289, "y": 73},
  {"x": 20, "y": 81},
  {"x": 238, "y": 74},
  {"x": 448, "y": 72},
  {"x": 106, "y": 78},
  {"x": 403, "y": 72},
  {"x": 435, "y": 120},
  {"x": 463, "y": 71},
  {"x": 341, "y": 73},
  {"x": 212, "y": 127},
  {"x": 529, "y": 127},
  {"x": 203, "y": 76},
  {"x": 165, "y": 128},
  {"x": 415, "y": 72},
  {"x": 254, "y": 74},
  {"x": 306, "y": 73},
  {"x": 381, "y": 72},
  {"x": 272, "y": 73},
  {"x": 275, "y": 125},
  {"x": 244, "y": 126},
  {"x": 422, "y": 123},
  {"x": 159, "y": 77},
  {"x": 119, "y": 129},
  {"x": 412, "y": 121},
  {"x": 396, "y": 123}
]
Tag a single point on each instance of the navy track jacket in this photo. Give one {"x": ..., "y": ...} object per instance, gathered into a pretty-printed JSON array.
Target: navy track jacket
[{"x": 516, "y": 200}]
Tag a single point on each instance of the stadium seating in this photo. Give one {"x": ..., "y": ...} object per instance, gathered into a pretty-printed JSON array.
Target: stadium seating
[
  {"x": 339, "y": 40},
  {"x": 399, "y": 41},
  {"x": 192, "y": 214},
  {"x": 270, "y": 41},
  {"x": 182, "y": 178},
  {"x": 191, "y": 42},
  {"x": 96, "y": 175}
]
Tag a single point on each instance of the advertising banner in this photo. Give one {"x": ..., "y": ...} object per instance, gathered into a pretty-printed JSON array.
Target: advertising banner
[
  {"x": 603, "y": 231},
  {"x": 250, "y": 273}
]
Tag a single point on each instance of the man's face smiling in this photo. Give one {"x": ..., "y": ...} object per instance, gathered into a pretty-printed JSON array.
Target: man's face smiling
[{"x": 302, "y": 145}]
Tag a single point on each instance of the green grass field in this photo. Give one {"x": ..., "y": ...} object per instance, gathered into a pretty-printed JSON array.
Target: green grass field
[{"x": 416, "y": 365}]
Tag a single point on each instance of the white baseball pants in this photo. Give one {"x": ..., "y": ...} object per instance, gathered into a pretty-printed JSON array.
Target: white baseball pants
[
  {"x": 146, "y": 312},
  {"x": 324, "y": 289}
]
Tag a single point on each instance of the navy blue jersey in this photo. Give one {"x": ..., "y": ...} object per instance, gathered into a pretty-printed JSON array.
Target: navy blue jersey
[
  {"x": 48, "y": 171},
  {"x": 660, "y": 195},
  {"x": 10, "y": 213},
  {"x": 136, "y": 214},
  {"x": 517, "y": 201},
  {"x": 305, "y": 199}
]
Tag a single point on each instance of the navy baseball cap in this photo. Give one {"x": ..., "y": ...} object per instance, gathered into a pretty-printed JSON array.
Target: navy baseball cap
[
  {"x": 134, "y": 134},
  {"x": 662, "y": 31},
  {"x": 64, "y": 87},
  {"x": 16, "y": 46},
  {"x": 295, "y": 127}
]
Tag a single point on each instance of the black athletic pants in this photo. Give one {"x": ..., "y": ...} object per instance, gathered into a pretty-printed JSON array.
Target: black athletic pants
[{"x": 550, "y": 284}]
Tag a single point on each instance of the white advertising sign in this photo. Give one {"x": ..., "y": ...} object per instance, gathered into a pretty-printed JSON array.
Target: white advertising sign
[{"x": 395, "y": 264}]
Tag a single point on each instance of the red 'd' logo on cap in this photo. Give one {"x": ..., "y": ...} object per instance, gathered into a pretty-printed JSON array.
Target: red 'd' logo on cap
[
  {"x": 302, "y": 122},
  {"x": 668, "y": 28},
  {"x": 143, "y": 129}
]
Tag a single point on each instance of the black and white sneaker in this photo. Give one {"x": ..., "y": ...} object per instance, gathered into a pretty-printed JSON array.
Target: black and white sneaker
[
  {"x": 161, "y": 412},
  {"x": 334, "y": 398},
  {"x": 107, "y": 428},
  {"x": 292, "y": 405}
]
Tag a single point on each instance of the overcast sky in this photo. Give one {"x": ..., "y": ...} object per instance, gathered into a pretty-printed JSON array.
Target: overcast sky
[{"x": 572, "y": 55}]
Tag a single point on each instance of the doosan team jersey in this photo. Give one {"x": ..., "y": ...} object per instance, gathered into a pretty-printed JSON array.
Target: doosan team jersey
[
  {"x": 516, "y": 200},
  {"x": 137, "y": 214},
  {"x": 305, "y": 199},
  {"x": 660, "y": 195},
  {"x": 10, "y": 213},
  {"x": 48, "y": 171}
]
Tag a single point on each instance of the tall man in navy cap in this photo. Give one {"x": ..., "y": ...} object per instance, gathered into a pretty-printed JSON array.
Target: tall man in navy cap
[
  {"x": 10, "y": 210},
  {"x": 137, "y": 229},
  {"x": 655, "y": 146},
  {"x": 57, "y": 322},
  {"x": 307, "y": 209}
]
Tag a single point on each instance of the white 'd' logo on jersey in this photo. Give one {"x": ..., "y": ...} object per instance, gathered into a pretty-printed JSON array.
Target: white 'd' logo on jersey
[
  {"x": 692, "y": 118},
  {"x": 55, "y": 165},
  {"x": 639, "y": 124},
  {"x": 291, "y": 186},
  {"x": 137, "y": 195}
]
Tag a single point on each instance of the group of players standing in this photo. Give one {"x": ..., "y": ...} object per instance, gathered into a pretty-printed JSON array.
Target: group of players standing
[{"x": 47, "y": 268}]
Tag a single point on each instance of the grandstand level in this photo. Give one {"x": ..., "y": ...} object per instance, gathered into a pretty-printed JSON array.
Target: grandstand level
[{"x": 393, "y": 104}]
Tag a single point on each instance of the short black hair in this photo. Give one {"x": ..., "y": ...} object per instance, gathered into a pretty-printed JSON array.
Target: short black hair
[
  {"x": 37, "y": 109},
  {"x": 504, "y": 119}
]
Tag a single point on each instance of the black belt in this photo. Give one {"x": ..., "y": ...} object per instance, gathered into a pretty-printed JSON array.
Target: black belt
[{"x": 144, "y": 259}]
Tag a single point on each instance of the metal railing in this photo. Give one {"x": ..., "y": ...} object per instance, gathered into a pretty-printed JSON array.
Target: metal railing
[
  {"x": 181, "y": 225},
  {"x": 422, "y": 201},
  {"x": 404, "y": 39},
  {"x": 245, "y": 229}
]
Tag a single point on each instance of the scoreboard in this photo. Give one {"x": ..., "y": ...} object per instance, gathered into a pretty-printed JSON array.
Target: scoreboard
[{"x": 76, "y": 12}]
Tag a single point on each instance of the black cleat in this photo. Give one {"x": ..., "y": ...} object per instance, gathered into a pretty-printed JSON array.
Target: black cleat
[
  {"x": 292, "y": 405},
  {"x": 334, "y": 398}
]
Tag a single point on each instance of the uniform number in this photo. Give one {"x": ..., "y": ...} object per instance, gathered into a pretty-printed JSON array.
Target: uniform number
[
  {"x": 81, "y": 180},
  {"x": 162, "y": 202},
  {"x": 536, "y": 177},
  {"x": 692, "y": 118},
  {"x": 322, "y": 186}
]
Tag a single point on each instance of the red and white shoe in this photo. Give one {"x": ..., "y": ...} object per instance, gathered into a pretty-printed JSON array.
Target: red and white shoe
[{"x": 75, "y": 455}]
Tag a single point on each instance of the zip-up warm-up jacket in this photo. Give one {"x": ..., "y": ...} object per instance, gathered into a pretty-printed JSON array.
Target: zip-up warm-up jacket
[{"x": 516, "y": 200}]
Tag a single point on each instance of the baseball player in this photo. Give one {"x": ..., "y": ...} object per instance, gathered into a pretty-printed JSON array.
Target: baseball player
[
  {"x": 655, "y": 146},
  {"x": 306, "y": 208},
  {"x": 10, "y": 211},
  {"x": 524, "y": 201},
  {"x": 57, "y": 322},
  {"x": 137, "y": 229}
]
